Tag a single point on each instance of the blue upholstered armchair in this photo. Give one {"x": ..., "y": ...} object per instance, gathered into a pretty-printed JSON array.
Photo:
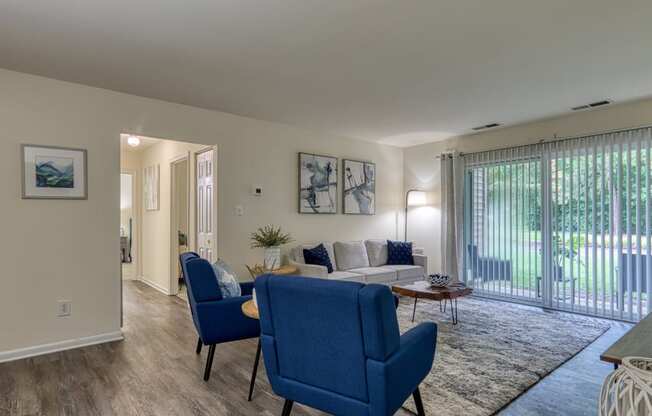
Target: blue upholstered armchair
[
  {"x": 335, "y": 346},
  {"x": 217, "y": 320}
]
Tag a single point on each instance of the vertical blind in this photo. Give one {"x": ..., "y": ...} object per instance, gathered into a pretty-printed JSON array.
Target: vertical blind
[{"x": 567, "y": 224}]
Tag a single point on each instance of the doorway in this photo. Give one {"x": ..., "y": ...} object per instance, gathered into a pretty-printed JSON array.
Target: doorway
[
  {"x": 127, "y": 226},
  {"x": 181, "y": 202}
]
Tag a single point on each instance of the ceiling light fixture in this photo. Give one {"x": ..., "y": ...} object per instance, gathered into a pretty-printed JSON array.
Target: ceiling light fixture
[{"x": 133, "y": 141}]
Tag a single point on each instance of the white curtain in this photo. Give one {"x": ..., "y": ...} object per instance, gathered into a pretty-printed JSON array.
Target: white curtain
[{"x": 452, "y": 214}]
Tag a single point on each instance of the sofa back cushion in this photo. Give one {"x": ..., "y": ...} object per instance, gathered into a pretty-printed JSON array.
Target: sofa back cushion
[
  {"x": 350, "y": 255},
  {"x": 319, "y": 256},
  {"x": 376, "y": 252}
]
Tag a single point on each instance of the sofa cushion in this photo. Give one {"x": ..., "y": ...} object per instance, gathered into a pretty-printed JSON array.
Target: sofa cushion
[
  {"x": 348, "y": 276},
  {"x": 297, "y": 252},
  {"x": 318, "y": 255},
  {"x": 405, "y": 271},
  {"x": 399, "y": 252},
  {"x": 377, "y": 252},
  {"x": 350, "y": 255},
  {"x": 377, "y": 274}
]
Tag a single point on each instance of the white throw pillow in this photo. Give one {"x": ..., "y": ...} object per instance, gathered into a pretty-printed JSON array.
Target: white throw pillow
[
  {"x": 350, "y": 255},
  {"x": 377, "y": 252}
]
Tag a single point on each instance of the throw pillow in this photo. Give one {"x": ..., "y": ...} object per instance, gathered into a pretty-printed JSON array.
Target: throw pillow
[
  {"x": 226, "y": 280},
  {"x": 399, "y": 252},
  {"x": 319, "y": 256}
]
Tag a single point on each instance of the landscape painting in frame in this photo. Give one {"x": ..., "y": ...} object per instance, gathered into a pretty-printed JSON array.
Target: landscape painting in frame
[
  {"x": 359, "y": 187},
  {"x": 53, "y": 172},
  {"x": 317, "y": 184}
]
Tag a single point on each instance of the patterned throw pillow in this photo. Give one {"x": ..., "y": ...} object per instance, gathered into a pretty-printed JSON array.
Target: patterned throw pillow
[
  {"x": 399, "y": 252},
  {"x": 319, "y": 256},
  {"x": 226, "y": 280}
]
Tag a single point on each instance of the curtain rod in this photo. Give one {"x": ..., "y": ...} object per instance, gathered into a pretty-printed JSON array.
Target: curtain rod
[{"x": 553, "y": 139}]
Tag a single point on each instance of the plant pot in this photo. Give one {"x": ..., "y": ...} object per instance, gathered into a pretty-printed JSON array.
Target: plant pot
[
  {"x": 272, "y": 258},
  {"x": 628, "y": 390}
]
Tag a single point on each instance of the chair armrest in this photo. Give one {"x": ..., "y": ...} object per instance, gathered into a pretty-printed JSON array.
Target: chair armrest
[
  {"x": 246, "y": 288},
  {"x": 223, "y": 321},
  {"x": 421, "y": 260},
  {"x": 391, "y": 382},
  {"x": 310, "y": 270}
]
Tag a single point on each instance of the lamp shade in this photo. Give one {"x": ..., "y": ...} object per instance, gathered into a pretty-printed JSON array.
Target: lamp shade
[{"x": 416, "y": 198}]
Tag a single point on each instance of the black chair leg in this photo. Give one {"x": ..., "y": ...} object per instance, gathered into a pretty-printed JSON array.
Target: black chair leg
[
  {"x": 199, "y": 345},
  {"x": 287, "y": 408},
  {"x": 209, "y": 362},
  {"x": 254, "y": 372},
  {"x": 418, "y": 403}
]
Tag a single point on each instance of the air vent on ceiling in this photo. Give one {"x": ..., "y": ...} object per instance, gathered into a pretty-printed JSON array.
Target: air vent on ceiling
[
  {"x": 591, "y": 105},
  {"x": 486, "y": 126}
]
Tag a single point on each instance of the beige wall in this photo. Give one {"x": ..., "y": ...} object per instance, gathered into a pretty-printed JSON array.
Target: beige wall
[
  {"x": 69, "y": 249},
  {"x": 422, "y": 167}
]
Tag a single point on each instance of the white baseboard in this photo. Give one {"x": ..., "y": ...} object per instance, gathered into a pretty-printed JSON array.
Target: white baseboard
[
  {"x": 69, "y": 344},
  {"x": 155, "y": 286}
]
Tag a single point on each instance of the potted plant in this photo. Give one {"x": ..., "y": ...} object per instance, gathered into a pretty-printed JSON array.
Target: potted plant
[{"x": 271, "y": 239}]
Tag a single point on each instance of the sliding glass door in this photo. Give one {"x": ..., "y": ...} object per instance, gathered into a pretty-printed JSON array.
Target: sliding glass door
[
  {"x": 566, "y": 224},
  {"x": 503, "y": 248}
]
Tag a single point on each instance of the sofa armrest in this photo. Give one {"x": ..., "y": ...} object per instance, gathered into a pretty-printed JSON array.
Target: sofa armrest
[
  {"x": 310, "y": 270},
  {"x": 421, "y": 260},
  {"x": 224, "y": 321}
]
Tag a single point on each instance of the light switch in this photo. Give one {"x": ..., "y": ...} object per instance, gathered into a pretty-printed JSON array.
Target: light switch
[{"x": 239, "y": 210}]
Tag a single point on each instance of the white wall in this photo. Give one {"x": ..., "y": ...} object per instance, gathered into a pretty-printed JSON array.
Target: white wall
[
  {"x": 69, "y": 249},
  {"x": 422, "y": 167}
]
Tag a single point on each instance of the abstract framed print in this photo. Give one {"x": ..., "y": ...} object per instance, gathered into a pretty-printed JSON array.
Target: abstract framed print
[
  {"x": 317, "y": 184},
  {"x": 359, "y": 195}
]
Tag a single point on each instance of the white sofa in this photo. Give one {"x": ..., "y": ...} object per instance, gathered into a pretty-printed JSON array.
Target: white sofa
[{"x": 360, "y": 261}]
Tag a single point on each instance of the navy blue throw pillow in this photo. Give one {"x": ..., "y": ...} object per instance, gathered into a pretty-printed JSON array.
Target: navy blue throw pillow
[
  {"x": 399, "y": 252},
  {"x": 319, "y": 256}
]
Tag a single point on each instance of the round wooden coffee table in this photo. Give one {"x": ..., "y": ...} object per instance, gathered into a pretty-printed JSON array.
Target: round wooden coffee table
[{"x": 423, "y": 290}]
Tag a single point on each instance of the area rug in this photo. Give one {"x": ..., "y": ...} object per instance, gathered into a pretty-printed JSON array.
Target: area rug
[{"x": 496, "y": 352}]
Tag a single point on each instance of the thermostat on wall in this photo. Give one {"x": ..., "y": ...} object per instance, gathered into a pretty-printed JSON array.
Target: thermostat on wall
[{"x": 256, "y": 190}]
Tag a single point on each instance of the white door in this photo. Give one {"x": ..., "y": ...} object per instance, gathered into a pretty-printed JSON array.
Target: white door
[{"x": 205, "y": 171}]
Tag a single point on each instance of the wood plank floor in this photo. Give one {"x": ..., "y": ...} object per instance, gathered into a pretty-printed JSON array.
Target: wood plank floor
[{"x": 155, "y": 372}]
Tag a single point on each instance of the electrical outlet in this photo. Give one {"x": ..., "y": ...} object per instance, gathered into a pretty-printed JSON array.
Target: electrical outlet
[{"x": 64, "y": 308}]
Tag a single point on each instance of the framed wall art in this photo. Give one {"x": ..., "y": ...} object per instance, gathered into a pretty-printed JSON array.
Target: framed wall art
[{"x": 51, "y": 172}]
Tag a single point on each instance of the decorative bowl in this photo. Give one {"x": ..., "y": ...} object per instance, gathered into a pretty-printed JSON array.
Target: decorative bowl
[{"x": 439, "y": 280}]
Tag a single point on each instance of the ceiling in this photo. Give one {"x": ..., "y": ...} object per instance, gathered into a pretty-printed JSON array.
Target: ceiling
[{"x": 397, "y": 72}]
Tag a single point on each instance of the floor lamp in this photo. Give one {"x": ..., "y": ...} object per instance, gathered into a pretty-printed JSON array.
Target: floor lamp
[{"x": 413, "y": 197}]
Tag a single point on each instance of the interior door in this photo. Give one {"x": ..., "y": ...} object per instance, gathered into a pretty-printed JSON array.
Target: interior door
[{"x": 205, "y": 172}]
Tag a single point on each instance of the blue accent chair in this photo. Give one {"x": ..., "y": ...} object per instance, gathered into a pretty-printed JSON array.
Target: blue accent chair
[
  {"x": 216, "y": 319},
  {"x": 335, "y": 346}
]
